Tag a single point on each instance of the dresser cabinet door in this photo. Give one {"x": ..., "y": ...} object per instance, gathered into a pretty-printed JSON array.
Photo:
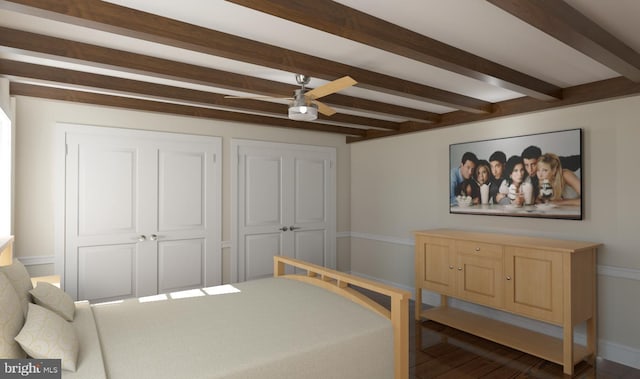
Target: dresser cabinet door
[
  {"x": 480, "y": 273},
  {"x": 534, "y": 283},
  {"x": 435, "y": 264}
]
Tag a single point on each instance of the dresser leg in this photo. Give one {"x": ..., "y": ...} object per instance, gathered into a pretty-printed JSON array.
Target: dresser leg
[
  {"x": 444, "y": 301},
  {"x": 567, "y": 349},
  {"x": 592, "y": 343},
  {"x": 418, "y": 303}
]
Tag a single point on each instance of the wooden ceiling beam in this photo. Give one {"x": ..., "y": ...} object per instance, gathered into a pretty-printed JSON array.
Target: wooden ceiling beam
[
  {"x": 564, "y": 23},
  {"x": 580, "y": 94},
  {"x": 143, "y": 64},
  {"x": 24, "y": 89},
  {"x": 346, "y": 22},
  {"x": 85, "y": 79},
  {"x": 129, "y": 22},
  {"x": 98, "y": 56}
]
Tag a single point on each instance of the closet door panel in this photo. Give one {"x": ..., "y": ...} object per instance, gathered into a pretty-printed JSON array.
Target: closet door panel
[
  {"x": 310, "y": 245},
  {"x": 107, "y": 190},
  {"x": 310, "y": 191},
  {"x": 107, "y": 272},
  {"x": 263, "y": 191},
  {"x": 181, "y": 265},
  {"x": 261, "y": 248},
  {"x": 181, "y": 190}
]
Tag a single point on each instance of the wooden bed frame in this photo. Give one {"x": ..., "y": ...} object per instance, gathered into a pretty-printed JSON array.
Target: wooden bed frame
[
  {"x": 341, "y": 284},
  {"x": 6, "y": 250}
]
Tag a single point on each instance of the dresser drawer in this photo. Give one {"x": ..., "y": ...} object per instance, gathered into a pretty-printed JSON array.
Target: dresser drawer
[{"x": 479, "y": 248}]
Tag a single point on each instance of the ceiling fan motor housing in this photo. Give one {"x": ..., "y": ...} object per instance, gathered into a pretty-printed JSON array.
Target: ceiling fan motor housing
[{"x": 301, "y": 109}]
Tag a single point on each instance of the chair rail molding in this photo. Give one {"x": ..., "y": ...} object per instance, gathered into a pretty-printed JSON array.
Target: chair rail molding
[{"x": 603, "y": 270}]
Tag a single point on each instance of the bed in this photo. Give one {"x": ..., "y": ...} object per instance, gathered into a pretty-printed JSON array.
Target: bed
[{"x": 311, "y": 324}]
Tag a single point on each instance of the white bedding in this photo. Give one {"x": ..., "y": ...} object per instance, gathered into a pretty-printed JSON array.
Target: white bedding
[
  {"x": 272, "y": 328},
  {"x": 90, "y": 363}
]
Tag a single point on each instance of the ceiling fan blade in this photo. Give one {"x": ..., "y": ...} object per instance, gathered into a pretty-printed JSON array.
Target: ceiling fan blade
[
  {"x": 324, "y": 109},
  {"x": 331, "y": 87}
]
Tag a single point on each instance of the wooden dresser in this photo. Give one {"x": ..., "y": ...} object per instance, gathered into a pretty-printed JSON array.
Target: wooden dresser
[{"x": 543, "y": 279}]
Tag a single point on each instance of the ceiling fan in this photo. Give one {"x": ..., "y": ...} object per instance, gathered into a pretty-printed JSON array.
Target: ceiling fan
[{"x": 304, "y": 105}]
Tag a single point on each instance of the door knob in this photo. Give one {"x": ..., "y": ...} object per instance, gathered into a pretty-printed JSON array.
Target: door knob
[
  {"x": 142, "y": 238},
  {"x": 284, "y": 229},
  {"x": 294, "y": 227}
]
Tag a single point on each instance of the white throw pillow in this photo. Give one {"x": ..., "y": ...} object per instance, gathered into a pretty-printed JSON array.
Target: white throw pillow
[
  {"x": 46, "y": 335},
  {"x": 11, "y": 320},
  {"x": 54, "y": 299},
  {"x": 21, "y": 281}
]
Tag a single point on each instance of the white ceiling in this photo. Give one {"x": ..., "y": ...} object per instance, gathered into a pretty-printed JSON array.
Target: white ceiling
[{"x": 475, "y": 26}]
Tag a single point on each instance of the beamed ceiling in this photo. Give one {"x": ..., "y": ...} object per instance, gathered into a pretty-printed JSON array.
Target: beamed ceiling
[{"x": 419, "y": 64}]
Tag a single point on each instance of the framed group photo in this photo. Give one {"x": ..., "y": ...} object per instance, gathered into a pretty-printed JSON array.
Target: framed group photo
[{"x": 535, "y": 175}]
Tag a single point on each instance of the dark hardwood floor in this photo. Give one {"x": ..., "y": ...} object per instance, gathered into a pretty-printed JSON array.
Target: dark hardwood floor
[{"x": 438, "y": 351}]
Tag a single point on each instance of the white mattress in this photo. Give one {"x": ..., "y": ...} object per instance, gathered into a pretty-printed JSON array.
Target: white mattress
[{"x": 273, "y": 328}]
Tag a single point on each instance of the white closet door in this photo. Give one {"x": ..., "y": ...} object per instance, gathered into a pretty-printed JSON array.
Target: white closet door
[
  {"x": 186, "y": 183},
  {"x": 106, "y": 179},
  {"x": 260, "y": 211},
  {"x": 310, "y": 207},
  {"x": 142, "y": 213},
  {"x": 285, "y": 202}
]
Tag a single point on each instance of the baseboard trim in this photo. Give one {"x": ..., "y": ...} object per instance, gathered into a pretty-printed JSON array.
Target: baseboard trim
[
  {"x": 37, "y": 260},
  {"x": 612, "y": 351}
]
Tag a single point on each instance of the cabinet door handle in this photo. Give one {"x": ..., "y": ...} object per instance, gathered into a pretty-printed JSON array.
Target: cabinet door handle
[
  {"x": 477, "y": 249},
  {"x": 284, "y": 229},
  {"x": 450, "y": 267},
  {"x": 508, "y": 277},
  {"x": 459, "y": 268},
  {"x": 154, "y": 237},
  {"x": 142, "y": 238},
  {"x": 294, "y": 227}
]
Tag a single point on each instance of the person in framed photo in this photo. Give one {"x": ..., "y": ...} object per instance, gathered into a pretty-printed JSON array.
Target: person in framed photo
[
  {"x": 482, "y": 177},
  {"x": 460, "y": 174},
  {"x": 530, "y": 156},
  {"x": 557, "y": 185},
  {"x": 497, "y": 161},
  {"x": 510, "y": 192}
]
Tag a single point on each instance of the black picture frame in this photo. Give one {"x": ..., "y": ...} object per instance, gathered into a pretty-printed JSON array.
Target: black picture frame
[{"x": 552, "y": 197}]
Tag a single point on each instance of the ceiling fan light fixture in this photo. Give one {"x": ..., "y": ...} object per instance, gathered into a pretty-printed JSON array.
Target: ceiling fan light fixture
[{"x": 303, "y": 112}]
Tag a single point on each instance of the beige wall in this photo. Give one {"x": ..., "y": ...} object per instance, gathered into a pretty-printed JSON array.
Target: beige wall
[
  {"x": 401, "y": 184},
  {"x": 36, "y": 120}
]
